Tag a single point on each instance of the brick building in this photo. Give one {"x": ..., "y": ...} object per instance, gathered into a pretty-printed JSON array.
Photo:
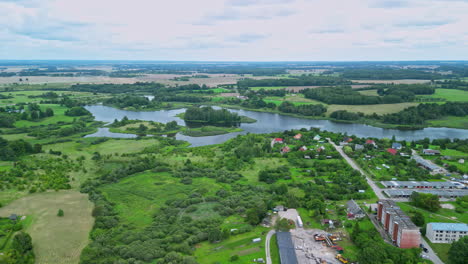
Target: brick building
[{"x": 398, "y": 225}]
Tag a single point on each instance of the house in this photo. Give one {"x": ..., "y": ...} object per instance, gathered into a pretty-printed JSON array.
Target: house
[
  {"x": 278, "y": 140},
  {"x": 461, "y": 161},
  {"x": 396, "y": 146},
  {"x": 358, "y": 147},
  {"x": 370, "y": 142},
  {"x": 354, "y": 210},
  {"x": 347, "y": 139},
  {"x": 392, "y": 151},
  {"x": 256, "y": 240},
  {"x": 446, "y": 232},
  {"x": 320, "y": 148},
  {"x": 431, "y": 152},
  {"x": 298, "y": 136},
  {"x": 285, "y": 149},
  {"x": 13, "y": 217},
  {"x": 303, "y": 148},
  {"x": 279, "y": 208},
  {"x": 317, "y": 137},
  {"x": 306, "y": 157}
]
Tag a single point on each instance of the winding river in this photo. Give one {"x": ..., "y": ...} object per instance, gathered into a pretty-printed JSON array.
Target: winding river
[{"x": 267, "y": 123}]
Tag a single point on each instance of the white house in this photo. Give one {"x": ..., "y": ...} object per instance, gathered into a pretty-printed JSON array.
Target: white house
[{"x": 446, "y": 232}]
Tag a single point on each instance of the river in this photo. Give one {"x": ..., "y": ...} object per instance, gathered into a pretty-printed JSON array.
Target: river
[{"x": 267, "y": 123}]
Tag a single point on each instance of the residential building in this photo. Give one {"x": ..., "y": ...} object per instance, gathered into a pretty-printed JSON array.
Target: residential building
[
  {"x": 298, "y": 136},
  {"x": 317, "y": 137},
  {"x": 446, "y": 232},
  {"x": 358, "y": 147},
  {"x": 396, "y": 146},
  {"x": 403, "y": 232},
  {"x": 354, "y": 210},
  {"x": 392, "y": 151}
]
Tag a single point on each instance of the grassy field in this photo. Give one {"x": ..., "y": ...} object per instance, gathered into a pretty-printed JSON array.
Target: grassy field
[
  {"x": 450, "y": 121},
  {"x": 209, "y": 131},
  {"x": 369, "y": 92},
  {"x": 443, "y": 215},
  {"x": 241, "y": 245},
  {"x": 370, "y": 109},
  {"x": 274, "y": 250},
  {"x": 139, "y": 196},
  {"x": 451, "y": 95},
  {"x": 55, "y": 239}
]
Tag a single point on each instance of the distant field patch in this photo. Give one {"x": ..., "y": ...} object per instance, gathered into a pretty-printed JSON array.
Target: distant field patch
[
  {"x": 405, "y": 81},
  {"x": 450, "y": 121},
  {"x": 369, "y": 92},
  {"x": 451, "y": 95},
  {"x": 55, "y": 239},
  {"x": 379, "y": 109}
]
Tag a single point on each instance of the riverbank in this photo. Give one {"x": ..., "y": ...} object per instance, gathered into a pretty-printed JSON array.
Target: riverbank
[
  {"x": 206, "y": 131},
  {"x": 431, "y": 123}
]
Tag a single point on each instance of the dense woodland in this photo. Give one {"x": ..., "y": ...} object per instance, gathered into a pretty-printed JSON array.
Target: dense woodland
[
  {"x": 303, "y": 80},
  {"x": 417, "y": 115},
  {"x": 208, "y": 115}
]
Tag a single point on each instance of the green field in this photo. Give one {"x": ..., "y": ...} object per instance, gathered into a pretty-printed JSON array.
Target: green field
[
  {"x": 443, "y": 215},
  {"x": 240, "y": 245},
  {"x": 450, "y": 121},
  {"x": 451, "y": 95},
  {"x": 55, "y": 238}
]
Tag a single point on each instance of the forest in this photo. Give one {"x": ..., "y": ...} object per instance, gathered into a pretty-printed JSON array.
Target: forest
[
  {"x": 208, "y": 115},
  {"x": 303, "y": 80}
]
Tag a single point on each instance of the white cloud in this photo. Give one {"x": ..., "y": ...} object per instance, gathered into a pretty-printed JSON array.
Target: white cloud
[{"x": 234, "y": 29}]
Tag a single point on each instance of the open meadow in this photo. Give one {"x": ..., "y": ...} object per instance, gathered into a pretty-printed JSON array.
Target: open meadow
[{"x": 55, "y": 239}]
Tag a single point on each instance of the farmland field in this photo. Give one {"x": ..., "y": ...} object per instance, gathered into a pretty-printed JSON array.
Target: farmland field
[
  {"x": 55, "y": 239},
  {"x": 451, "y": 95}
]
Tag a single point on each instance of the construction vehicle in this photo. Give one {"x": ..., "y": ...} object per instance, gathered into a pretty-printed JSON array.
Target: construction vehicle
[
  {"x": 341, "y": 259},
  {"x": 319, "y": 237}
]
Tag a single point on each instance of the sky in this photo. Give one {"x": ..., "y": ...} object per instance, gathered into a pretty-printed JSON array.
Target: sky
[{"x": 234, "y": 30}]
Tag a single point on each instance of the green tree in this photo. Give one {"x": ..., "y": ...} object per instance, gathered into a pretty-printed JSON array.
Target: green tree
[
  {"x": 60, "y": 213},
  {"x": 22, "y": 242},
  {"x": 418, "y": 218},
  {"x": 458, "y": 252},
  {"x": 234, "y": 258}
]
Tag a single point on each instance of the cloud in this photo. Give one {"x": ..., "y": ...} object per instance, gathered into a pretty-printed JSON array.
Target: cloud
[
  {"x": 247, "y": 38},
  {"x": 234, "y": 29},
  {"x": 424, "y": 23},
  {"x": 390, "y": 3}
]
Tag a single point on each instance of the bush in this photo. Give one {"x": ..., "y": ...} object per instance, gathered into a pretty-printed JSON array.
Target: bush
[
  {"x": 60, "y": 213},
  {"x": 234, "y": 258}
]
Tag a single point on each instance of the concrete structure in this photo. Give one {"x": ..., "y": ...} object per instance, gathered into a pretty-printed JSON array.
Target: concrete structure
[
  {"x": 286, "y": 248},
  {"x": 430, "y": 152},
  {"x": 406, "y": 193},
  {"x": 446, "y": 232},
  {"x": 419, "y": 185},
  {"x": 397, "y": 224}
]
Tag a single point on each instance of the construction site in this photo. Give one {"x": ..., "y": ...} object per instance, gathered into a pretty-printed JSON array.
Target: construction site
[{"x": 314, "y": 246}]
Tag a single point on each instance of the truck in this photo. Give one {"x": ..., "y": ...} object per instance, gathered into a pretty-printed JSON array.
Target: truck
[{"x": 341, "y": 259}]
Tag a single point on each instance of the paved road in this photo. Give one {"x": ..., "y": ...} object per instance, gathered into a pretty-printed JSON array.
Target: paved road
[
  {"x": 430, "y": 254},
  {"x": 353, "y": 164},
  {"x": 267, "y": 246}
]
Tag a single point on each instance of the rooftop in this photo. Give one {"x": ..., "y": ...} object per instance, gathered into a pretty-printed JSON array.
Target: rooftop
[
  {"x": 286, "y": 248},
  {"x": 418, "y": 183},
  {"x": 449, "y": 226},
  {"x": 443, "y": 193}
]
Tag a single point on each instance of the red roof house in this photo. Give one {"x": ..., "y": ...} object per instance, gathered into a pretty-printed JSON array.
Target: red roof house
[
  {"x": 370, "y": 141},
  {"x": 392, "y": 151},
  {"x": 298, "y": 136},
  {"x": 285, "y": 149},
  {"x": 278, "y": 140}
]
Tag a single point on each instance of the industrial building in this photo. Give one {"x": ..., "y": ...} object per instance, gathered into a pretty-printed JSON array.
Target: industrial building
[
  {"x": 286, "y": 248},
  {"x": 428, "y": 165},
  {"x": 420, "y": 185},
  {"x": 446, "y": 232},
  {"x": 398, "y": 225},
  {"x": 406, "y": 193}
]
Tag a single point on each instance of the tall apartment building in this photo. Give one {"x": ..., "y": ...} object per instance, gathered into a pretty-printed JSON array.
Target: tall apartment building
[
  {"x": 446, "y": 232},
  {"x": 403, "y": 232}
]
